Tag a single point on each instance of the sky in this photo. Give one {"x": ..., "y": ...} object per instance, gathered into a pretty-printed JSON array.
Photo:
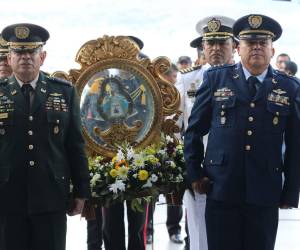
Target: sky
[{"x": 165, "y": 26}]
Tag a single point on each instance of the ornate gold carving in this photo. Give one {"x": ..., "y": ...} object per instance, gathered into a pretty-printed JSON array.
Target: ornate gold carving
[
  {"x": 107, "y": 47},
  {"x": 119, "y": 133},
  {"x": 170, "y": 95},
  {"x": 170, "y": 127}
]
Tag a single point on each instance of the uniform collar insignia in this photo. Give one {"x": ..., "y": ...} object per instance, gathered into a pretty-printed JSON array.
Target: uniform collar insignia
[{"x": 13, "y": 92}]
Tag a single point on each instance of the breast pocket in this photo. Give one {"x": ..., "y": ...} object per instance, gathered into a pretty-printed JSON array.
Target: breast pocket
[
  {"x": 276, "y": 117},
  {"x": 57, "y": 122},
  {"x": 224, "y": 111}
]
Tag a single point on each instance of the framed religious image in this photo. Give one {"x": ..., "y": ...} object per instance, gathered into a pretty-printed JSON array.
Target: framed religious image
[{"x": 123, "y": 98}]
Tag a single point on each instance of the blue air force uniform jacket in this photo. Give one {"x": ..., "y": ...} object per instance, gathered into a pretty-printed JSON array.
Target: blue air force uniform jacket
[
  {"x": 243, "y": 158},
  {"x": 42, "y": 151}
]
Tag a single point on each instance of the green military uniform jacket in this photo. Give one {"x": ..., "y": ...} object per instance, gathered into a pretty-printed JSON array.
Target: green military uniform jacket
[{"x": 42, "y": 151}]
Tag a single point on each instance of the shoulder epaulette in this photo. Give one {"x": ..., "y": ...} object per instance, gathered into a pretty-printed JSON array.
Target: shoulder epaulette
[
  {"x": 281, "y": 73},
  {"x": 220, "y": 66},
  {"x": 190, "y": 69},
  {"x": 58, "y": 80}
]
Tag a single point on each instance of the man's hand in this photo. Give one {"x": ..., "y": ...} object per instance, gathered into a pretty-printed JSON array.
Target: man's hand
[
  {"x": 77, "y": 207},
  {"x": 202, "y": 186}
]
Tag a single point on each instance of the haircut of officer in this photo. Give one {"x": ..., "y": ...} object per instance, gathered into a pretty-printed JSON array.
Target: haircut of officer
[
  {"x": 217, "y": 43},
  {"x": 5, "y": 69},
  {"x": 41, "y": 149},
  {"x": 248, "y": 109}
]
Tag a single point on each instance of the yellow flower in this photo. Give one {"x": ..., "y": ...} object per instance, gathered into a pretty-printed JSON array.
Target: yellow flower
[
  {"x": 150, "y": 150},
  {"x": 122, "y": 172},
  {"x": 113, "y": 173},
  {"x": 152, "y": 159},
  {"x": 143, "y": 175},
  {"x": 113, "y": 160}
]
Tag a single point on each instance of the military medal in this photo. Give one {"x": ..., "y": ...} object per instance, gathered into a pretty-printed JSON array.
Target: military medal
[
  {"x": 3, "y": 115},
  {"x": 275, "y": 120},
  {"x": 56, "y": 130}
]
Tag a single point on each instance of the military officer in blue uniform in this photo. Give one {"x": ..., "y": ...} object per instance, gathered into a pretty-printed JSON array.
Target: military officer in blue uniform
[
  {"x": 248, "y": 109},
  {"x": 218, "y": 44},
  {"x": 41, "y": 148}
]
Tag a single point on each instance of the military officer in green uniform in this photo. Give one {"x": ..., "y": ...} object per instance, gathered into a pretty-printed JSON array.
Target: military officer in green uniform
[
  {"x": 5, "y": 69},
  {"x": 41, "y": 148}
]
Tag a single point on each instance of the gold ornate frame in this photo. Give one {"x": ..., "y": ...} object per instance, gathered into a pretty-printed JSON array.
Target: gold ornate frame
[{"x": 123, "y": 53}]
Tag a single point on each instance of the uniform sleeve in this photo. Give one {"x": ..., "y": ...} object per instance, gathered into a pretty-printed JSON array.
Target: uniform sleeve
[
  {"x": 76, "y": 151},
  {"x": 199, "y": 124},
  {"x": 290, "y": 194},
  {"x": 180, "y": 87}
]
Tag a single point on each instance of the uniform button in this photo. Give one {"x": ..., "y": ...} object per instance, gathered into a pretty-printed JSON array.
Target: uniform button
[
  {"x": 1, "y": 123},
  {"x": 57, "y": 121},
  {"x": 30, "y": 132},
  {"x": 211, "y": 161},
  {"x": 248, "y": 147},
  {"x": 249, "y": 132},
  {"x": 223, "y": 106},
  {"x": 30, "y": 118},
  {"x": 31, "y": 163},
  {"x": 30, "y": 147},
  {"x": 251, "y": 119},
  {"x": 252, "y": 105}
]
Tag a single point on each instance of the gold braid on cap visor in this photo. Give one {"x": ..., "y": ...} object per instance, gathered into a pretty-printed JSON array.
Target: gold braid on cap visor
[
  {"x": 216, "y": 35},
  {"x": 245, "y": 33},
  {"x": 29, "y": 45}
]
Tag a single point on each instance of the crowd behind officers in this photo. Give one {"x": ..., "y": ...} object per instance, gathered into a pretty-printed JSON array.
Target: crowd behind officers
[{"x": 236, "y": 188}]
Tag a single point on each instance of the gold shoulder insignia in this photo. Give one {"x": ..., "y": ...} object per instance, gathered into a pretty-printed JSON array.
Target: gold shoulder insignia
[{"x": 190, "y": 69}]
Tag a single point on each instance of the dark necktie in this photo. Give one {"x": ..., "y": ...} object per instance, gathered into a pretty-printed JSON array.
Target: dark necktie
[
  {"x": 26, "y": 89},
  {"x": 253, "y": 85}
]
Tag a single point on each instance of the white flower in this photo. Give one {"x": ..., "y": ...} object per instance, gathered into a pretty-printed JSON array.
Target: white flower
[
  {"x": 148, "y": 183},
  {"x": 134, "y": 175},
  {"x": 95, "y": 178},
  {"x": 94, "y": 194},
  {"x": 91, "y": 174},
  {"x": 169, "y": 139},
  {"x": 154, "y": 178},
  {"x": 130, "y": 153},
  {"x": 118, "y": 185},
  {"x": 162, "y": 152},
  {"x": 120, "y": 155},
  {"x": 139, "y": 161}
]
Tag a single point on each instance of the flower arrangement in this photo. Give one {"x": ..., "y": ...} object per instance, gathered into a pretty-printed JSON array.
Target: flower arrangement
[{"x": 137, "y": 176}]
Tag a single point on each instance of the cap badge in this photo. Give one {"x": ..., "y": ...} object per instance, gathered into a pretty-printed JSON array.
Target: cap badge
[
  {"x": 255, "y": 21},
  {"x": 213, "y": 25},
  {"x": 22, "y": 32}
]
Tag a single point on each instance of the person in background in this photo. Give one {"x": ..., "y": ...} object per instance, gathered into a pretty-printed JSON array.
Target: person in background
[
  {"x": 290, "y": 68},
  {"x": 5, "y": 69},
  {"x": 280, "y": 60},
  {"x": 184, "y": 62}
]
